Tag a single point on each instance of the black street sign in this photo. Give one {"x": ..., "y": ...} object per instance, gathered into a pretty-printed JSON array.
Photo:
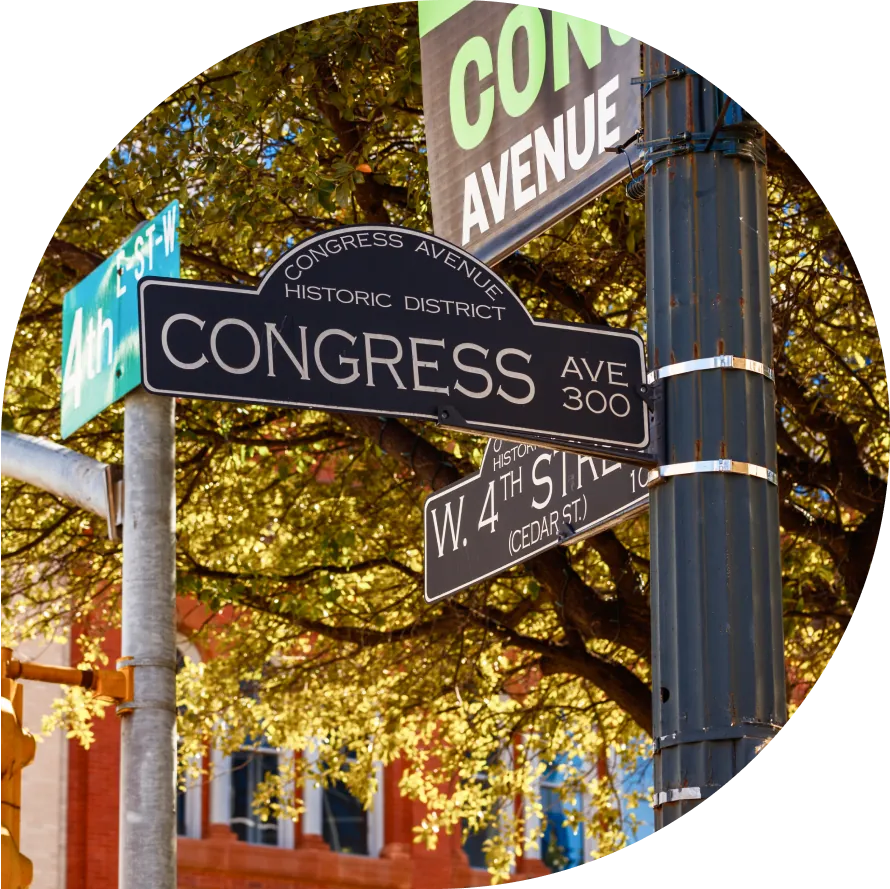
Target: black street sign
[
  {"x": 523, "y": 501},
  {"x": 524, "y": 109},
  {"x": 389, "y": 321}
]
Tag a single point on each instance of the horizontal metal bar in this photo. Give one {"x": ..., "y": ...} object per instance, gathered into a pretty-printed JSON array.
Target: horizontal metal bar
[
  {"x": 130, "y": 706},
  {"x": 48, "y": 673},
  {"x": 742, "y": 731},
  {"x": 676, "y": 795},
  {"x": 717, "y": 362},
  {"x": 680, "y": 794},
  {"x": 733, "y": 466},
  {"x": 146, "y": 662}
]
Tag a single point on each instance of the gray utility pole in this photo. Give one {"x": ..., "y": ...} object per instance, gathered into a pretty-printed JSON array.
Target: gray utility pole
[
  {"x": 716, "y": 586},
  {"x": 147, "y": 839}
]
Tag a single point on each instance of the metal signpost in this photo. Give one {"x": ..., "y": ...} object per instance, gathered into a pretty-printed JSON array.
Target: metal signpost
[
  {"x": 524, "y": 109},
  {"x": 508, "y": 110},
  {"x": 716, "y": 575},
  {"x": 524, "y": 500},
  {"x": 100, "y": 326},
  {"x": 385, "y": 320},
  {"x": 100, "y": 365}
]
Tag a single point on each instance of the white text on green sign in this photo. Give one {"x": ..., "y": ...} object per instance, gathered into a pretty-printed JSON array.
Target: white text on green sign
[{"x": 100, "y": 325}]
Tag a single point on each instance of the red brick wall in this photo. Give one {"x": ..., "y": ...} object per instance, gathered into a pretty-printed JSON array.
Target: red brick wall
[
  {"x": 220, "y": 861},
  {"x": 93, "y": 796}
]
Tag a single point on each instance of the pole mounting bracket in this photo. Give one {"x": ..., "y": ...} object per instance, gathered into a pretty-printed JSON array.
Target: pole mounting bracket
[
  {"x": 693, "y": 467},
  {"x": 717, "y": 362},
  {"x": 111, "y": 686},
  {"x": 650, "y": 82}
]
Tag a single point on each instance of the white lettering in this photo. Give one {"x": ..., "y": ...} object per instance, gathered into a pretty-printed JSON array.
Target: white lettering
[
  {"x": 577, "y": 159},
  {"x": 106, "y": 325},
  {"x": 73, "y": 381},
  {"x": 139, "y": 246},
  {"x": 169, "y": 221},
  {"x": 520, "y": 171},
  {"x": 448, "y": 525},
  {"x": 272, "y": 331},
  {"x": 613, "y": 373},
  {"x": 515, "y": 376},
  {"x": 571, "y": 367},
  {"x": 237, "y": 322},
  {"x": 335, "y": 331},
  {"x": 417, "y": 364},
  {"x": 150, "y": 246},
  {"x": 605, "y": 113},
  {"x": 388, "y": 362},
  {"x": 185, "y": 365},
  {"x": 626, "y": 404},
  {"x": 474, "y": 208},
  {"x": 542, "y": 481},
  {"x": 121, "y": 261},
  {"x": 553, "y": 153},
  {"x": 497, "y": 191},
  {"x": 473, "y": 370}
]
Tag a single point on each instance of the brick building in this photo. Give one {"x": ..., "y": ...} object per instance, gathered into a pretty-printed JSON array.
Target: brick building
[{"x": 71, "y": 812}]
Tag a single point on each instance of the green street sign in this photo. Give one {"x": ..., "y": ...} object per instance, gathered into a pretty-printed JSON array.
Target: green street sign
[{"x": 100, "y": 321}]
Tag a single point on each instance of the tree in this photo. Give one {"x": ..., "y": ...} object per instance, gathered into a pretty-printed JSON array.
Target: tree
[{"x": 304, "y": 529}]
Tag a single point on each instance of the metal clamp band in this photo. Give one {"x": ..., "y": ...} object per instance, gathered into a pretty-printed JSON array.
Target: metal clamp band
[
  {"x": 675, "y": 795},
  {"x": 146, "y": 662},
  {"x": 745, "y": 731},
  {"x": 679, "y": 794},
  {"x": 734, "y": 466},
  {"x": 129, "y": 706},
  {"x": 721, "y": 362}
]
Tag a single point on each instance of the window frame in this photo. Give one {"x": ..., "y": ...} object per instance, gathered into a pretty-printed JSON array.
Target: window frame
[
  {"x": 584, "y": 808},
  {"x": 498, "y": 828},
  {"x": 222, "y": 797},
  {"x": 313, "y": 801}
]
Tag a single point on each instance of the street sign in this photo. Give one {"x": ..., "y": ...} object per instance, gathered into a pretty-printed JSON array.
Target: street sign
[
  {"x": 389, "y": 321},
  {"x": 100, "y": 323},
  {"x": 520, "y": 107},
  {"x": 524, "y": 500}
]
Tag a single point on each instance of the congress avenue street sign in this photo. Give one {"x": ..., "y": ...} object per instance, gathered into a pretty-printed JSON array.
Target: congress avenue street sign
[
  {"x": 523, "y": 501},
  {"x": 385, "y": 320}
]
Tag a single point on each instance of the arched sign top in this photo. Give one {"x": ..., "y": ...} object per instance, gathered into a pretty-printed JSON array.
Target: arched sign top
[
  {"x": 386, "y": 320},
  {"x": 336, "y": 243}
]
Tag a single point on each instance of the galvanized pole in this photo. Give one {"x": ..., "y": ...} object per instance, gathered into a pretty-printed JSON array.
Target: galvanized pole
[
  {"x": 716, "y": 586},
  {"x": 147, "y": 841}
]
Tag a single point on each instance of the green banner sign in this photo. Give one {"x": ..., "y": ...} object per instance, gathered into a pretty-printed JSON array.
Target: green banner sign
[
  {"x": 100, "y": 320},
  {"x": 521, "y": 105}
]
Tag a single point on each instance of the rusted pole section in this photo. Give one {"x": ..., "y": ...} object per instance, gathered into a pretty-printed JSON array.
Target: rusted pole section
[{"x": 716, "y": 586}]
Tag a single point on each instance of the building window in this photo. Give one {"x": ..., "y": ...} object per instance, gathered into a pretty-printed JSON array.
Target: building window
[
  {"x": 249, "y": 768},
  {"x": 562, "y": 845},
  {"x": 474, "y": 844},
  {"x": 345, "y": 821},
  {"x": 338, "y": 816}
]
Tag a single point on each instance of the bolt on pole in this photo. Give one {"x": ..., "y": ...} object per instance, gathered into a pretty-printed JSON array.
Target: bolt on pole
[
  {"x": 147, "y": 841},
  {"x": 716, "y": 586}
]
